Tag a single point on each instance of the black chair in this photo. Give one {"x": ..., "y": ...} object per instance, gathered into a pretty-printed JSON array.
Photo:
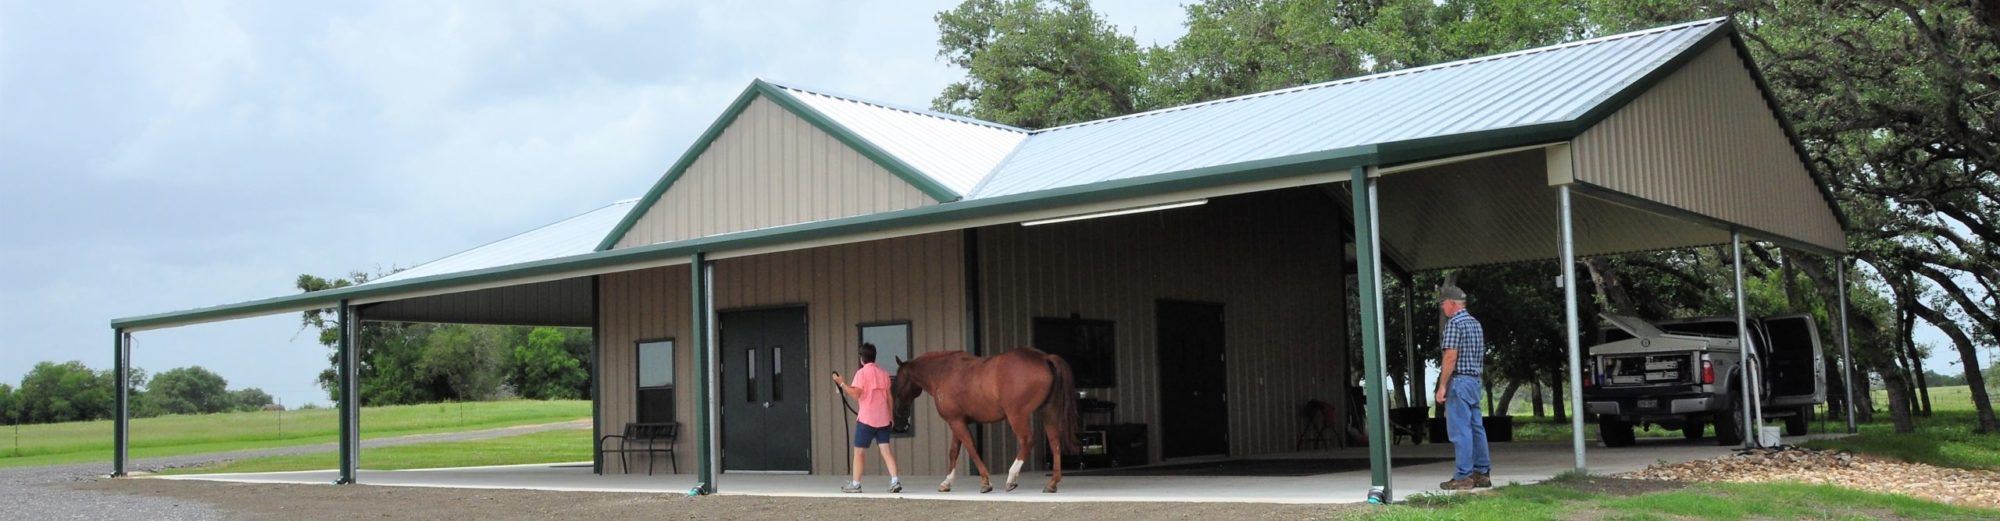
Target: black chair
[
  {"x": 1407, "y": 422},
  {"x": 644, "y": 438},
  {"x": 1315, "y": 424}
]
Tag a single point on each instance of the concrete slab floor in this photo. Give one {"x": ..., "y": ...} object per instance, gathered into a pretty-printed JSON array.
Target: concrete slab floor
[{"x": 1519, "y": 462}]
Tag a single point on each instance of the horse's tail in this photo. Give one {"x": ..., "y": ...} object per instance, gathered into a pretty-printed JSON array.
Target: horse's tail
[{"x": 1061, "y": 404}]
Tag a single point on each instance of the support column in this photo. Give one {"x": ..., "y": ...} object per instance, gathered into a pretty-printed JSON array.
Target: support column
[
  {"x": 1418, "y": 398},
  {"x": 596, "y": 382},
  {"x": 1368, "y": 276},
  {"x": 350, "y": 397},
  {"x": 1746, "y": 378},
  {"x": 1846, "y": 361},
  {"x": 121, "y": 433},
  {"x": 704, "y": 370},
  {"x": 1570, "y": 330}
]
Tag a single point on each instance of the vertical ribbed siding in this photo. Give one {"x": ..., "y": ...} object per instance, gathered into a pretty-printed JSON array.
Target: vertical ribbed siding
[
  {"x": 1704, "y": 140},
  {"x": 917, "y": 278},
  {"x": 1273, "y": 260},
  {"x": 770, "y": 168}
]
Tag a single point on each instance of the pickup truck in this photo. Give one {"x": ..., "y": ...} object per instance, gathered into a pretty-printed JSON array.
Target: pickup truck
[{"x": 1687, "y": 374}]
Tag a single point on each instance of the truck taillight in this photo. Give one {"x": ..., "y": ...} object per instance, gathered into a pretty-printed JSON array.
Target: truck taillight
[
  {"x": 1707, "y": 371},
  {"x": 1589, "y": 376}
]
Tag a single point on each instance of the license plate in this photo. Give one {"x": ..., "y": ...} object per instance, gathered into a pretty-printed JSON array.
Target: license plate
[
  {"x": 1649, "y": 404},
  {"x": 1662, "y": 365},
  {"x": 1664, "y": 375}
]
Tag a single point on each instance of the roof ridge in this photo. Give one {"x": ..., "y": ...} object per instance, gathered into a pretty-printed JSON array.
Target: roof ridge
[
  {"x": 891, "y": 106},
  {"x": 1399, "y": 72}
]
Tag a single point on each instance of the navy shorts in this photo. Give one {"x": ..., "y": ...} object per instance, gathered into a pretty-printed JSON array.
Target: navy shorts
[{"x": 866, "y": 435}]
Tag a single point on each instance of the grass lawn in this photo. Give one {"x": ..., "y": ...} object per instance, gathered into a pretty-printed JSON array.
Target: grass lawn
[
  {"x": 1574, "y": 498},
  {"x": 1944, "y": 439},
  {"x": 81, "y": 442},
  {"x": 541, "y": 447}
]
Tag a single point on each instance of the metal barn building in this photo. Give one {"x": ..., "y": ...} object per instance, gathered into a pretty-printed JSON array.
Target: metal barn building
[{"x": 1193, "y": 263}]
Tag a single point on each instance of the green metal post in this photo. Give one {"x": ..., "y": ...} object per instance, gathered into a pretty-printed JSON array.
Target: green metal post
[
  {"x": 703, "y": 370},
  {"x": 121, "y": 352},
  {"x": 350, "y": 403},
  {"x": 596, "y": 382},
  {"x": 1368, "y": 277}
]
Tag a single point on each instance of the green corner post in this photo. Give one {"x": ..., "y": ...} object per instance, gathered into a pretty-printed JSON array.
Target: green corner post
[
  {"x": 121, "y": 353},
  {"x": 1367, "y": 276},
  {"x": 596, "y": 381},
  {"x": 704, "y": 369},
  {"x": 350, "y": 401}
]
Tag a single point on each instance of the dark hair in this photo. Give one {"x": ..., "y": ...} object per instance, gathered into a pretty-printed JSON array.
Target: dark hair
[{"x": 867, "y": 353}]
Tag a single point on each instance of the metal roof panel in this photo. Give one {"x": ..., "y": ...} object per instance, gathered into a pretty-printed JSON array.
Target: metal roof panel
[{"x": 573, "y": 236}]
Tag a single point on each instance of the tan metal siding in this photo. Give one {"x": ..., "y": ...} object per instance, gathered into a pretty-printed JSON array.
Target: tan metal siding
[
  {"x": 917, "y": 278},
  {"x": 1273, "y": 259},
  {"x": 770, "y": 168},
  {"x": 1705, "y": 141}
]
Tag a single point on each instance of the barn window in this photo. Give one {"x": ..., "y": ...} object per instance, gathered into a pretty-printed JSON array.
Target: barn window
[
  {"x": 892, "y": 342},
  {"x": 656, "y": 381}
]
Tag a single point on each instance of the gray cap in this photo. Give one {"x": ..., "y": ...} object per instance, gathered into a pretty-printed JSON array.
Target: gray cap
[{"x": 1451, "y": 293}]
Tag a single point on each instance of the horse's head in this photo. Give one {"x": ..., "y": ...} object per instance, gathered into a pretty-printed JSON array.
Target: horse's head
[{"x": 904, "y": 392}]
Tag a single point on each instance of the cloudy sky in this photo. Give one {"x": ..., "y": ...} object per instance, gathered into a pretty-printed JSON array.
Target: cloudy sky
[{"x": 162, "y": 156}]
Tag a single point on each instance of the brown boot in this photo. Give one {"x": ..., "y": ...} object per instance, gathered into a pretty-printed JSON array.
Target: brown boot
[
  {"x": 1481, "y": 480},
  {"x": 1457, "y": 484}
]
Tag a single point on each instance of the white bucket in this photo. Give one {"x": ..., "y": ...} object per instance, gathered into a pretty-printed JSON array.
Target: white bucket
[{"x": 1767, "y": 436}]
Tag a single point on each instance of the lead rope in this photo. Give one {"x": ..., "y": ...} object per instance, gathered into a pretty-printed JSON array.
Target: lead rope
[{"x": 847, "y": 427}]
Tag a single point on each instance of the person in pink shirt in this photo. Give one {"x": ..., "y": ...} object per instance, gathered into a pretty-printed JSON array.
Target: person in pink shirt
[{"x": 872, "y": 420}]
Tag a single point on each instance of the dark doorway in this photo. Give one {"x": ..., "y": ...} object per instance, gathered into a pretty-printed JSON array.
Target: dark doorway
[
  {"x": 765, "y": 422},
  {"x": 1194, "y": 399}
]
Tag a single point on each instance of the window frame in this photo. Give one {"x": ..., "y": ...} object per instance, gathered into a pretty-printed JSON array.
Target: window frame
[
  {"x": 639, "y": 378},
  {"x": 909, "y": 337}
]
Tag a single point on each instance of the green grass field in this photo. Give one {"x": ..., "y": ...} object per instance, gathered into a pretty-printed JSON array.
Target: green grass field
[
  {"x": 1944, "y": 439},
  {"x": 1571, "y": 499},
  {"x": 80, "y": 442},
  {"x": 558, "y": 446}
]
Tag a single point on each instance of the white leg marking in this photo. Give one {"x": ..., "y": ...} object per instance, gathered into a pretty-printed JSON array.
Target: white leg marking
[
  {"x": 949, "y": 476},
  {"x": 1014, "y": 473}
]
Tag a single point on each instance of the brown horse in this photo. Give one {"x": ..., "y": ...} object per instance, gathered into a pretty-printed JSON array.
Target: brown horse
[{"x": 1009, "y": 386}]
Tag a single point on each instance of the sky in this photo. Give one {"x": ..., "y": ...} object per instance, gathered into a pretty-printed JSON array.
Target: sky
[
  {"x": 161, "y": 156},
  {"x": 164, "y": 156}
]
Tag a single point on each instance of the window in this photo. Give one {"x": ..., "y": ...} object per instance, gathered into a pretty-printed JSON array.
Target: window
[
  {"x": 656, "y": 381},
  {"x": 1086, "y": 344},
  {"x": 892, "y": 342}
]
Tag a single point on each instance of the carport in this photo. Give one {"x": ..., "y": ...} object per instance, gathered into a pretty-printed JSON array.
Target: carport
[{"x": 1653, "y": 140}]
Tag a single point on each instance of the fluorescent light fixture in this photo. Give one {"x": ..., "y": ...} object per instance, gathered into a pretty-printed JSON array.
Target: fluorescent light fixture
[{"x": 1127, "y": 211}]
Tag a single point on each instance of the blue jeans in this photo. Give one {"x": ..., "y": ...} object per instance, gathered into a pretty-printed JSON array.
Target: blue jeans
[{"x": 1468, "y": 430}]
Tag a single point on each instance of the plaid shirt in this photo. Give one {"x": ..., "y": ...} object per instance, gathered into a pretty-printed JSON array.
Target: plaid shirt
[{"x": 1463, "y": 333}]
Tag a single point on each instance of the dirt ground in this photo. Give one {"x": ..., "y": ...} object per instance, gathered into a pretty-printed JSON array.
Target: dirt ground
[{"x": 290, "y": 502}]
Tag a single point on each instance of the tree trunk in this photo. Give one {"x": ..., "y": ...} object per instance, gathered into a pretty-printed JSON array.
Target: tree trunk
[
  {"x": 1537, "y": 398},
  {"x": 1396, "y": 382},
  {"x": 1556, "y": 395},
  {"x": 1864, "y": 395},
  {"x": 1899, "y": 401},
  {"x": 1507, "y": 398},
  {"x": 1610, "y": 287},
  {"x": 1968, "y": 356}
]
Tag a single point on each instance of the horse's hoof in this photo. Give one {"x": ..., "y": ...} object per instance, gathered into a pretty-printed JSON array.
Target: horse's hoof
[
  {"x": 1011, "y": 486},
  {"x": 1049, "y": 489},
  {"x": 985, "y": 488},
  {"x": 944, "y": 488}
]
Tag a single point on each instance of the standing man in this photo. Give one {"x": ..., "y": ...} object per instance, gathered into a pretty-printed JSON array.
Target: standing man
[
  {"x": 1458, "y": 392},
  {"x": 872, "y": 419}
]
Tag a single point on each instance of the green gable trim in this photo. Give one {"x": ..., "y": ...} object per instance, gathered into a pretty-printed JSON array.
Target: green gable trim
[{"x": 791, "y": 104}]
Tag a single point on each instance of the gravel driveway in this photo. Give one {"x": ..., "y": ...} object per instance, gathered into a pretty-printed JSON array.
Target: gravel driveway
[{"x": 50, "y": 492}]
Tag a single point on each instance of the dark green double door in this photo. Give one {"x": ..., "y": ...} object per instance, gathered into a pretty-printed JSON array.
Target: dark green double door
[{"x": 766, "y": 426}]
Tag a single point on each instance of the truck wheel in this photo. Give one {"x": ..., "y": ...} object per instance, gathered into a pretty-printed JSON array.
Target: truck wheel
[
  {"x": 1614, "y": 433},
  {"x": 1692, "y": 429},
  {"x": 1729, "y": 423},
  {"x": 1796, "y": 424}
]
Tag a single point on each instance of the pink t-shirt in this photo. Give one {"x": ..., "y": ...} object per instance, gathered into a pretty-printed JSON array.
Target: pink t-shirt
[{"x": 874, "y": 385}]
